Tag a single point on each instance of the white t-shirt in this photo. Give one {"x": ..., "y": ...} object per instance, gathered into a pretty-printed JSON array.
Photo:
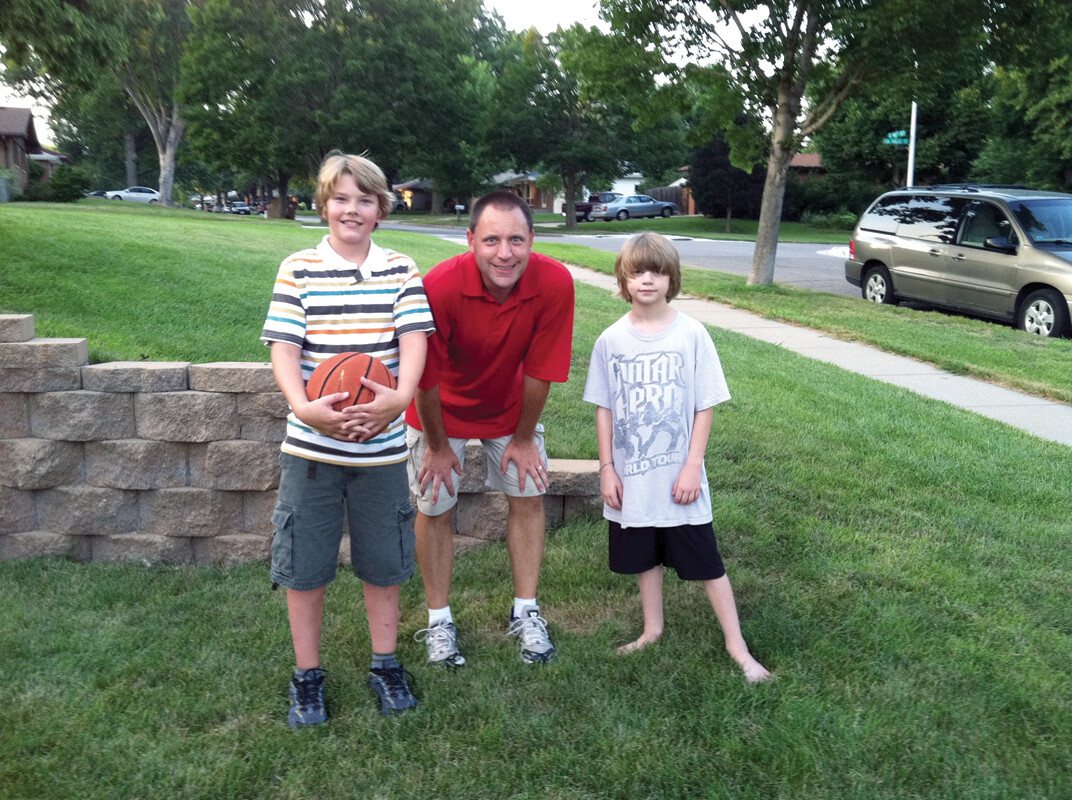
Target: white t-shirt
[{"x": 654, "y": 385}]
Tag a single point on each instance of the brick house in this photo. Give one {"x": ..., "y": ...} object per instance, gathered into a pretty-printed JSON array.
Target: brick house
[{"x": 18, "y": 141}]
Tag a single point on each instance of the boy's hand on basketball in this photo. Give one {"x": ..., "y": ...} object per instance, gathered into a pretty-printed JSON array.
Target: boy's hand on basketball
[
  {"x": 371, "y": 419},
  {"x": 610, "y": 486},
  {"x": 436, "y": 466},
  {"x": 321, "y": 415},
  {"x": 688, "y": 486}
]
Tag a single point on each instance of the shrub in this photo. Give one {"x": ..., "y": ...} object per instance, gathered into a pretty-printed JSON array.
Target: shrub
[{"x": 67, "y": 184}]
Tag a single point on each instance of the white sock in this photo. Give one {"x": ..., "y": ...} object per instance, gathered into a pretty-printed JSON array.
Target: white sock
[
  {"x": 521, "y": 602},
  {"x": 437, "y": 615}
]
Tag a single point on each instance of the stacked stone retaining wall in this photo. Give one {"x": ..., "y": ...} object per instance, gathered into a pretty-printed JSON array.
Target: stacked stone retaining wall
[{"x": 170, "y": 461}]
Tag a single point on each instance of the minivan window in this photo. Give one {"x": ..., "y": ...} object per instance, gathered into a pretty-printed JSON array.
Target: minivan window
[
  {"x": 884, "y": 215},
  {"x": 1046, "y": 221},
  {"x": 932, "y": 219},
  {"x": 982, "y": 221}
]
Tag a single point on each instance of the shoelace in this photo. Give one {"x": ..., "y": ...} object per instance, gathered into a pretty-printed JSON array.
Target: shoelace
[
  {"x": 533, "y": 630},
  {"x": 438, "y": 637},
  {"x": 309, "y": 688},
  {"x": 395, "y": 681}
]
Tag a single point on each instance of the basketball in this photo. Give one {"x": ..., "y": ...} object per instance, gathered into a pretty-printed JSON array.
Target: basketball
[{"x": 343, "y": 373}]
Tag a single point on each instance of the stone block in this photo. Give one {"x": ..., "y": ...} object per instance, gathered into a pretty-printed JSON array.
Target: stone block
[
  {"x": 136, "y": 464},
  {"x": 191, "y": 512},
  {"x": 39, "y": 463},
  {"x": 574, "y": 477},
  {"x": 14, "y": 416},
  {"x": 136, "y": 376},
  {"x": 482, "y": 516},
  {"x": 577, "y": 506},
  {"x": 87, "y": 510},
  {"x": 235, "y": 466},
  {"x": 35, "y": 544},
  {"x": 232, "y": 376},
  {"x": 16, "y": 510},
  {"x": 262, "y": 404},
  {"x": 186, "y": 416},
  {"x": 38, "y": 353},
  {"x": 262, "y": 429},
  {"x": 232, "y": 550},
  {"x": 40, "y": 379},
  {"x": 552, "y": 509},
  {"x": 82, "y": 416},
  {"x": 16, "y": 327},
  {"x": 257, "y": 508},
  {"x": 467, "y": 544},
  {"x": 475, "y": 470},
  {"x": 149, "y": 547}
]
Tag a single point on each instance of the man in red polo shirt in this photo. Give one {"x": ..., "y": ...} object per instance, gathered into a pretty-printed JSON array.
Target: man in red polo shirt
[{"x": 504, "y": 333}]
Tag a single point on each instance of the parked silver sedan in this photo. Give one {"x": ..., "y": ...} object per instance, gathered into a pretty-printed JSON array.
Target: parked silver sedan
[
  {"x": 632, "y": 207},
  {"x": 139, "y": 194}
]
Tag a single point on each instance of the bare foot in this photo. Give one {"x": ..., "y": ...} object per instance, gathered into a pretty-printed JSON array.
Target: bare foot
[
  {"x": 642, "y": 642},
  {"x": 754, "y": 672}
]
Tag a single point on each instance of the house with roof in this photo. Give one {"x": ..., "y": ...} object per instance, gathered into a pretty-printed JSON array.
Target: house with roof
[{"x": 18, "y": 142}]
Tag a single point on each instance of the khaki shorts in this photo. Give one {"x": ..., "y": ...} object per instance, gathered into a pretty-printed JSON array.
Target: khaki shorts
[{"x": 493, "y": 453}]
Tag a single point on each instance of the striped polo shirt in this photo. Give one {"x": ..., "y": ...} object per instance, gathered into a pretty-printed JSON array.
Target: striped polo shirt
[{"x": 326, "y": 305}]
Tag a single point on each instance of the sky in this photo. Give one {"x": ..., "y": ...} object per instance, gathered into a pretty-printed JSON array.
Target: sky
[
  {"x": 519, "y": 15},
  {"x": 546, "y": 15}
]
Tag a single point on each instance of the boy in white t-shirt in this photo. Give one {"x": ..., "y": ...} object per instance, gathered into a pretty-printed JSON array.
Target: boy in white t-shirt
[{"x": 655, "y": 378}]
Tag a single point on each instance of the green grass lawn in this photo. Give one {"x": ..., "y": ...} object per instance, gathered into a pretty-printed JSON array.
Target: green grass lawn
[{"x": 900, "y": 565}]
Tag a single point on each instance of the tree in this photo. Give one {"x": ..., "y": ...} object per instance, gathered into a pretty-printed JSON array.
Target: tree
[
  {"x": 138, "y": 42},
  {"x": 770, "y": 61},
  {"x": 545, "y": 116},
  {"x": 249, "y": 104},
  {"x": 721, "y": 188}
]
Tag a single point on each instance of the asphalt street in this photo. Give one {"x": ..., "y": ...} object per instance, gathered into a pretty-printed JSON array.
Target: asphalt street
[{"x": 820, "y": 267}]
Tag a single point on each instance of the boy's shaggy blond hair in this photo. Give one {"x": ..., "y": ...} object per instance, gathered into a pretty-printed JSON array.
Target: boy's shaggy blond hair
[
  {"x": 648, "y": 252},
  {"x": 368, "y": 177}
]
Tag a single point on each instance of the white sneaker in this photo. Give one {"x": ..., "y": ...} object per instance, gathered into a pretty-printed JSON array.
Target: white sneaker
[
  {"x": 530, "y": 629},
  {"x": 441, "y": 640}
]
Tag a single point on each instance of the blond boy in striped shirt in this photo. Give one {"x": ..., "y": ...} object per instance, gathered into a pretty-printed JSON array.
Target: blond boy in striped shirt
[{"x": 346, "y": 294}]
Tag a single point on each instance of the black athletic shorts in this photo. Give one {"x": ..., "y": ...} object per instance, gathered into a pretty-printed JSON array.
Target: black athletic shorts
[{"x": 690, "y": 549}]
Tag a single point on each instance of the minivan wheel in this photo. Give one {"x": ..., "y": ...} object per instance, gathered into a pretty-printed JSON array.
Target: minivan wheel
[
  {"x": 1044, "y": 313},
  {"x": 876, "y": 286}
]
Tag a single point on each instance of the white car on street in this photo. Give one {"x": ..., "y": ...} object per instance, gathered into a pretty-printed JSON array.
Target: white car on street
[{"x": 139, "y": 194}]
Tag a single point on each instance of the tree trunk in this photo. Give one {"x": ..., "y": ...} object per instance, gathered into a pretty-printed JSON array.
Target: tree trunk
[
  {"x": 283, "y": 187},
  {"x": 130, "y": 156},
  {"x": 783, "y": 146},
  {"x": 569, "y": 189},
  {"x": 770, "y": 218},
  {"x": 729, "y": 218}
]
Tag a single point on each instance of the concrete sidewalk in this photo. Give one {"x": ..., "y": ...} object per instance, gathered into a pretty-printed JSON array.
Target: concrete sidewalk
[{"x": 1043, "y": 418}]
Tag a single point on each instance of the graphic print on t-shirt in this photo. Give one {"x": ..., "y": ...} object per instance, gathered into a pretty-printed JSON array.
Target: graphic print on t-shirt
[{"x": 649, "y": 417}]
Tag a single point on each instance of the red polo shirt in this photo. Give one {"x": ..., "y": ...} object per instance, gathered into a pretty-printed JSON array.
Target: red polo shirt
[{"x": 482, "y": 349}]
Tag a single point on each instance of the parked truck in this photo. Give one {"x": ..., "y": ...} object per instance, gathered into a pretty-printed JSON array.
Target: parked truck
[{"x": 584, "y": 210}]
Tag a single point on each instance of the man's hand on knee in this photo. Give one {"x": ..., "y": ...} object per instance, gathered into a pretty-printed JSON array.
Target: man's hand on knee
[
  {"x": 526, "y": 455},
  {"x": 436, "y": 467}
]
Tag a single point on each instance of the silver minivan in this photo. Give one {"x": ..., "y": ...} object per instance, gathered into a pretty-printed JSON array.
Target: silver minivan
[{"x": 992, "y": 251}]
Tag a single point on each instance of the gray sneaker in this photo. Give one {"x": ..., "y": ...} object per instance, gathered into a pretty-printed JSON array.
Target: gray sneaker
[
  {"x": 530, "y": 629},
  {"x": 441, "y": 640}
]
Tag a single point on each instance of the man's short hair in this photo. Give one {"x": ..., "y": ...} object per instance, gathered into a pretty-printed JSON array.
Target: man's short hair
[
  {"x": 368, "y": 177},
  {"x": 648, "y": 252},
  {"x": 502, "y": 199}
]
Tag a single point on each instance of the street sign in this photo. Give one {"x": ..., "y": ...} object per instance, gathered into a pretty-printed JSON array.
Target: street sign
[{"x": 896, "y": 137}]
